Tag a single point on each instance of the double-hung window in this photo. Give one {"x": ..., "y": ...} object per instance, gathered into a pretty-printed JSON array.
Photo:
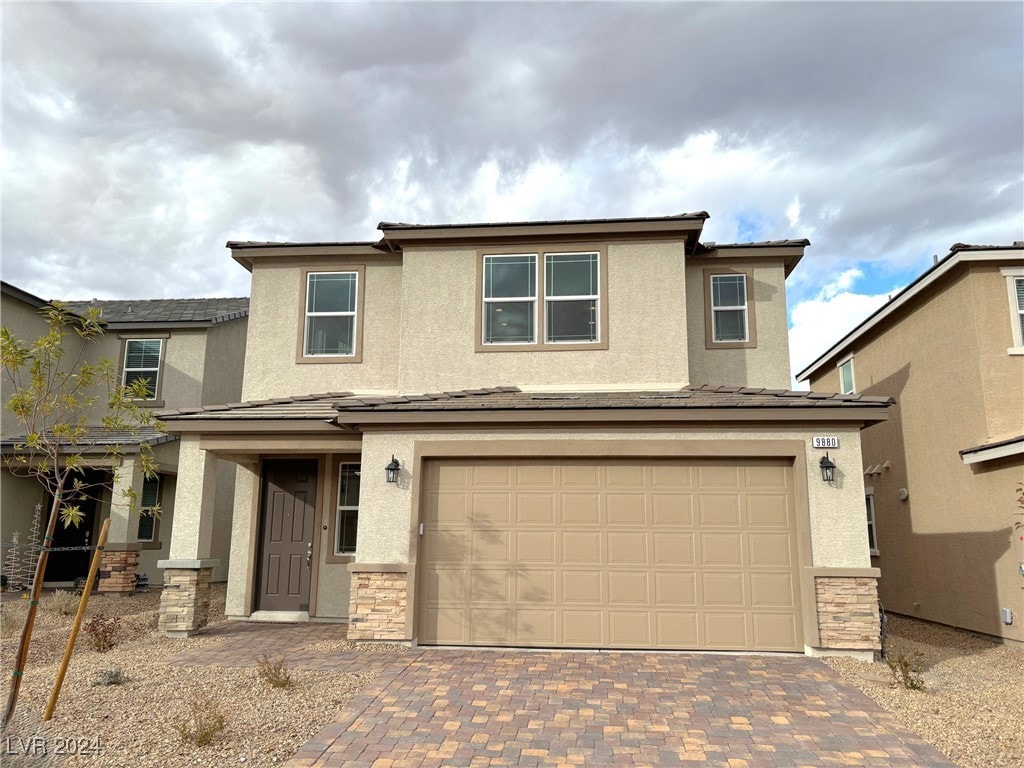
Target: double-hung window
[
  {"x": 846, "y": 382},
  {"x": 148, "y": 502},
  {"x": 331, "y": 314},
  {"x": 729, "y": 307},
  {"x": 1015, "y": 291},
  {"x": 347, "y": 518},
  {"x": 1018, "y": 290},
  {"x": 142, "y": 363},
  {"x": 544, "y": 300},
  {"x": 869, "y": 502}
]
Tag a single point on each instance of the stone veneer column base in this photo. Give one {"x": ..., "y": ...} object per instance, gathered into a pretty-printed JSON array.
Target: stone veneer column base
[
  {"x": 185, "y": 601},
  {"x": 377, "y": 608},
  {"x": 848, "y": 616},
  {"x": 117, "y": 569}
]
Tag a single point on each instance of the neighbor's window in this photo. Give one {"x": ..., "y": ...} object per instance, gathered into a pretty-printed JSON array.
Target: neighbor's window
[
  {"x": 869, "y": 501},
  {"x": 1018, "y": 290},
  {"x": 846, "y": 385},
  {"x": 331, "y": 314},
  {"x": 149, "y": 500},
  {"x": 347, "y": 520},
  {"x": 1015, "y": 292},
  {"x": 142, "y": 363},
  {"x": 571, "y": 297},
  {"x": 510, "y": 299},
  {"x": 729, "y": 307}
]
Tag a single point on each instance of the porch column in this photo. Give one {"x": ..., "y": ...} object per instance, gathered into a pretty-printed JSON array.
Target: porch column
[
  {"x": 121, "y": 554},
  {"x": 244, "y": 527},
  {"x": 185, "y": 600}
]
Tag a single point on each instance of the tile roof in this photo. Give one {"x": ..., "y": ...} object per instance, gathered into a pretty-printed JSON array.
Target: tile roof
[
  {"x": 386, "y": 225},
  {"x": 98, "y": 436},
  {"x": 328, "y": 405},
  {"x": 166, "y": 311},
  {"x": 712, "y": 245},
  {"x": 315, "y": 407}
]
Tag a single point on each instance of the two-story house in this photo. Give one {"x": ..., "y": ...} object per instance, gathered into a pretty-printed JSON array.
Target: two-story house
[
  {"x": 569, "y": 434},
  {"x": 187, "y": 351},
  {"x": 942, "y": 477}
]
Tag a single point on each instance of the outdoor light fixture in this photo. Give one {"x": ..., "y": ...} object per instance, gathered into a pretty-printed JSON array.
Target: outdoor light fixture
[
  {"x": 828, "y": 469},
  {"x": 391, "y": 470}
]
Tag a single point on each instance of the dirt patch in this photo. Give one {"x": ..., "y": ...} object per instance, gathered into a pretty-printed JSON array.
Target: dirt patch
[
  {"x": 135, "y": 722},
  {"x": 971, "y": 708}
]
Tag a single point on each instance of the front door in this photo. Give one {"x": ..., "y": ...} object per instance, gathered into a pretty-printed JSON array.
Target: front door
[
  {"x": 286, "y": 537},
  {"x": 65, "y": 565}
]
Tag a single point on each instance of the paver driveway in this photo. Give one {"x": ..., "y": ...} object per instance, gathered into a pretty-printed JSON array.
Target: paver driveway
[{"x": 487, "y": 708}]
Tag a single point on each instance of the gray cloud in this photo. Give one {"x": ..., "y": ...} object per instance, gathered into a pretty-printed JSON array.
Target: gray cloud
[{"x": 139, "y": 137}]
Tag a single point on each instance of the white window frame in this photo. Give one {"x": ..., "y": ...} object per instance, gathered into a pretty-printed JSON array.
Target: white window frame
[
  {"x": 853, "y": 375},
  {"x": 144, "y": 510},
  {"x": 338, "y": 552},
  {"x": 595, "y": 297},
  {"x": 156, "y": 371},
  {"x": 354, "y": 314},
  {"x": 869, "y": 504},
  {"x": 731, "y": 308},
  {"x": 509, "y": 299},
  {"x": 1012, "y": 275}
]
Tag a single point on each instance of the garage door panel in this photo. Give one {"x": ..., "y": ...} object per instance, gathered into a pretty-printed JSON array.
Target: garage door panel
[
  {"x": 581, "y": 509},
  {"x": 626, "y": 509},
  {"x": 627, "y": 547},
  {"x": 672, "y": 509},
  {"x": 536, "y": 509},
  {"x": 628, "y": 588},
  {"x": 626, "y": 553},
  {"x": 535, "y": 586}
]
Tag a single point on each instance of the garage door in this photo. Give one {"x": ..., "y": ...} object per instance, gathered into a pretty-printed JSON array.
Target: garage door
[{"x": 610, "y": 554}]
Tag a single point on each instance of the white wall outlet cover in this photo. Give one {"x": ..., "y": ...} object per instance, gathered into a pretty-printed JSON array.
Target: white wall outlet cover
[{"x": 902, "y": 494}]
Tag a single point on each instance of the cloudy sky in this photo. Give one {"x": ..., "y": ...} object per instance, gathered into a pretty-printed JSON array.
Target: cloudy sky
[{"x": 138, "y": 138}]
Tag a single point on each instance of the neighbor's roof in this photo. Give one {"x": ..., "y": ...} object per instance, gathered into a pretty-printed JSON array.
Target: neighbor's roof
[
  {"x": 500, "y": 402},
  {"x": 959, "y": 253},
  {"x": 102, "y": 438},
  {"x": 15, "y": 292},
  {"x": 802, "y": 243},
  {"x": 158, "y": 312}
]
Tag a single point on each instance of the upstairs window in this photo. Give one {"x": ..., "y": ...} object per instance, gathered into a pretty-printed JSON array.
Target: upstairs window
[
  {"x": 728, "y": 309},
  {"x": 347, "y": 519},
  {"x": 331, "y": 314},
  {"x": 846, "y": 383},
  {"x": 1018, "y": 289},
  {"x": 142, "y": 363},
  {"x": 1015, "y": 292},
  {"x": 543, "y": 301},
  {"x": 149, "y": 500}
]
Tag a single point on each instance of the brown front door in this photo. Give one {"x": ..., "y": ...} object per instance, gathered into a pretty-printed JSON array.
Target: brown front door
[{"x": 286, "y": 536}]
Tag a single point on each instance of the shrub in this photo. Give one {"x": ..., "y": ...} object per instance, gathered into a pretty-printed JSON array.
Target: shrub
[
  {"x": 110, "y": 677},
  {"x": 274, "y": 672},
  {"x": 202, "y": 724},
  {"x": 63, "y": 602},
  {"x": 102, "y": 632},
  {"x": 907, "y": 672}
]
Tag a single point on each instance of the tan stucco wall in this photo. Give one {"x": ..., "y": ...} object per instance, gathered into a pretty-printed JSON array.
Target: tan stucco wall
[
  {"x": 26, "y": 324},
  {"x": 947, "y": 553},
  {"x": 767, "y": 365},
  {"x": 838, "y": 533},
  {"x": 244, "y": 527},
  {"x": 439, "y": 295},
  {"x": 18, "y": 498},
  {"x": 276, "y": 312},
  {"x": 224, "y": 365}
]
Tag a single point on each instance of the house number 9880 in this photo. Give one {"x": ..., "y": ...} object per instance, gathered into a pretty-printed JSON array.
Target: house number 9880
[{"x": 826, "y": 442}]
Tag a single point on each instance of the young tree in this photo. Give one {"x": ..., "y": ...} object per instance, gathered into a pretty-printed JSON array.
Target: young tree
[{"x": 52, "y": 387}]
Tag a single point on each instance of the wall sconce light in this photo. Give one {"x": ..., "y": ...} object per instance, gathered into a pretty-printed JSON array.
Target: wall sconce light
[
  {"x": 828, "y": 469},
  {"x": 391, "y": 470}
]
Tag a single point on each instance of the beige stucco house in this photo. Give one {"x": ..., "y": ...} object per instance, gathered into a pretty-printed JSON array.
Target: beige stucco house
[
  {"x": 942, "y": 475},
  {"x": 571, "y": 434},
  {"x": 189, "y": 350}
]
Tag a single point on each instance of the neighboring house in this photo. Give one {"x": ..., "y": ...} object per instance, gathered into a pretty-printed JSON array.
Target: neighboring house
[
  {"x": 556, "y": 434},
  {"x": 942, "y": 475},
  {"x": 188, "y": 350}
]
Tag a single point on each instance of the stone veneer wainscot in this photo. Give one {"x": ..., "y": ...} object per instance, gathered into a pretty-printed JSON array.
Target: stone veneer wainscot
[
  {"x": 378, "y": 605},
  {"x": 848, "y": 616}
]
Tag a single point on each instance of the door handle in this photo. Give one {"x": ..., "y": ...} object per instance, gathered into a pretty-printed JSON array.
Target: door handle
[{"x": 309, "y": 556}]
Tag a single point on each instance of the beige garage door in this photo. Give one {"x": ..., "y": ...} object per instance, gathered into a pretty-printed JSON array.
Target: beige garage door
[{"x": 610, "y": 554}]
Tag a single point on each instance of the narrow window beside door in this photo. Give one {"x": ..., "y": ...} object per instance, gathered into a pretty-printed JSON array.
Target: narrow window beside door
[{"x": 347, "y": 519}]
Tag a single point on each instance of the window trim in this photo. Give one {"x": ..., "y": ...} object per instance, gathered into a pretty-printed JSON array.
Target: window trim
[
  {"x": 301, "y": 358},
  {"x": 1012, "y": 275},
  {"x": 540, "y": 343},
  {"x": 153, "y": 543},
  {"x": 872, "y": 521},
  {"x": 332, "y": 530},
  {"x": 709, "y": 309},
  {"x": 157, "y": 400},
  {"x": 853, "y": 375}
]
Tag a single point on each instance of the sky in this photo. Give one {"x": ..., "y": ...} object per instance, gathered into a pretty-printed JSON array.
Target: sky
[{"x": 138, "y": 138}]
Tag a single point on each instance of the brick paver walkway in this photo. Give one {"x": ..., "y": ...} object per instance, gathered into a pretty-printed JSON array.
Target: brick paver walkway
[{"x": 434, "y": 708}]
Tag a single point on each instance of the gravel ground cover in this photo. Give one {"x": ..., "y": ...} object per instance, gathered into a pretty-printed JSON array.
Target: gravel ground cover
[
  {"x": 972, "y": 706},
  {"x": 136, "y": 722}
]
